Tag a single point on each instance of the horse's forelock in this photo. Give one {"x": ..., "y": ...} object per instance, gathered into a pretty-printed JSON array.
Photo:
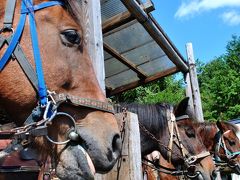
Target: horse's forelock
[
  {"x": 232, "y": 127},
  {"x": 80, "y": 13}
]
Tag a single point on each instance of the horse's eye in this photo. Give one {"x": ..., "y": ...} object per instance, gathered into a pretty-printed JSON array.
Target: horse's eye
[
  {"x": 190, "y": 132},
  {"x": 231, "y": 143},
  {"x": 70, "y": 37}
]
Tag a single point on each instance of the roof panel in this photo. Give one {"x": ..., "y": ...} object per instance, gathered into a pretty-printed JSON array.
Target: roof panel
[
  {"x": 130, "y": 42},
  {"x": 127, "y": 37},
  {"x": 113, "y": 67},
  {"x": 157, "y": 65},
  {"x": 110, "y": 8},
  {"x": 121, "y": 79},
  {"x": 145, "y": 53}
]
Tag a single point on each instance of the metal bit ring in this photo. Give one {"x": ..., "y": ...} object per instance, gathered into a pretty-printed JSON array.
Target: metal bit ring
[{"x": 74, "y": 128}]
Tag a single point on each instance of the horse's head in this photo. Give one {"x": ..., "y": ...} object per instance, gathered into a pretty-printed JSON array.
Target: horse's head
[
  {"x": 67, "y": 69},
  {"x": 228, "y": 145},
  {"x": 191, "y": 140}
]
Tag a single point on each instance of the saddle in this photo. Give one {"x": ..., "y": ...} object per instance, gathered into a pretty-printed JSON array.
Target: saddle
[{"x": 23, "y": 159}]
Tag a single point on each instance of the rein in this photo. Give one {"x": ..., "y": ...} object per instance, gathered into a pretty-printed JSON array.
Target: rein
[{"x": 46, "y": 109}]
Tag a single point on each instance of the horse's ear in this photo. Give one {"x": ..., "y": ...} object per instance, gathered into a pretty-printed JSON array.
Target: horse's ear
[
  {"x": 181, "y": 108},
  {"x": 221, "y": 126}
]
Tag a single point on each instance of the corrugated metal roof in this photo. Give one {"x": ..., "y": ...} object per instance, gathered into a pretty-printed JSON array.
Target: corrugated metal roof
[{"x": 132, "y": 56}]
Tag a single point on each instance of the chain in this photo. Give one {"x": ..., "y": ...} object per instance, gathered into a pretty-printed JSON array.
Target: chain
[
  {"x": 142, "y": 127},
  {"x": 122, "y": 131}
]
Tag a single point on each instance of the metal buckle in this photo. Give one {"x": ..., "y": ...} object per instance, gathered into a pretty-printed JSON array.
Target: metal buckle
[
  {"x": 50, "y": 111},
  {"x": 6, "y": 29},
  {"x": 191, "y": 160}
]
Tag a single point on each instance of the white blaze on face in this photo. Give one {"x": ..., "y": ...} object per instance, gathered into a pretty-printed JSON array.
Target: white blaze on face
[
  {"x": 238, "y": 132},
  {"x": 228, "y": 131}
]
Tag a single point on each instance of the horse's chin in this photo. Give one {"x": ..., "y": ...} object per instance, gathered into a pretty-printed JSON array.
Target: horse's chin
[{"x": 75, "y": 164}]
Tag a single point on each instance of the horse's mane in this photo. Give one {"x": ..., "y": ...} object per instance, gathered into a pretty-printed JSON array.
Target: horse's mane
[
  {"x": 152, "y": 116},
  {"x": 207, "y": 126},
  {"x": 232, "y": 127}
]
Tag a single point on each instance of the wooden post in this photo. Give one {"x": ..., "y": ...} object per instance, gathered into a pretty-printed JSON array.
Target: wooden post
[
  {"x": 130, "y": 163},
  {"x": 189, "y": 92},
  {"x": 91, "y": 17},
  {"x": 197, "y": 104}
]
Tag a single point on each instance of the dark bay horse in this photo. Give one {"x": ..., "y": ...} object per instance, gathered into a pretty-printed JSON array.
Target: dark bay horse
[
  {"x": 155, "y": 119},
  {"x": 225, "y": 151},
  {"x": 221, "y": 139},
  {"x": 67, "y": 69}
]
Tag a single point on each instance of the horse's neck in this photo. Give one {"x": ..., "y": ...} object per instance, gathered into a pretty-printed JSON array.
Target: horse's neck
[{"x": 150, "y": 144}]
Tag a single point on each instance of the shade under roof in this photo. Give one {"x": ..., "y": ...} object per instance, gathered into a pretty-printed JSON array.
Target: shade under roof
[{"x": 132, "y": 54}]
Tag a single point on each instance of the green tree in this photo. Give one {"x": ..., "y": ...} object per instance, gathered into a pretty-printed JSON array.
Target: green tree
[
  {"x": 164, "y": 90},
  {"x": 219, "y": 84}
]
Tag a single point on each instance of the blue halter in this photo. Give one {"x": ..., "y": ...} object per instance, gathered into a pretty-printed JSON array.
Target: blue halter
[
  {"x": 221, "y": 144},
  {"x": 28, "y": 9}
]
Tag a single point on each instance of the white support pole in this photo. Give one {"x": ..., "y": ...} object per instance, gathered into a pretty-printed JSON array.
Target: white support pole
[
  {"x": 197, "y": 104},
  {"x": 91, "y": 11}
]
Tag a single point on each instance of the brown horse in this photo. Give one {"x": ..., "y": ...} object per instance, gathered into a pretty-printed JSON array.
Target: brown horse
[
  {"x": 210, "y": 133},
  {"x": 67, "y": 69},
  {"x": 221, "y": 139},
  {"x": 155, "y": 135}
]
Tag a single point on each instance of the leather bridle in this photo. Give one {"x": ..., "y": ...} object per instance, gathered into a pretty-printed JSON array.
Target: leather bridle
[
  {"x": 189, "y": 160},
  {"x": 46, "y": 109}
]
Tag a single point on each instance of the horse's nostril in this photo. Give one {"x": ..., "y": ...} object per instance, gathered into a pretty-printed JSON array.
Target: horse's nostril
[{"x": 116, "y": 145}]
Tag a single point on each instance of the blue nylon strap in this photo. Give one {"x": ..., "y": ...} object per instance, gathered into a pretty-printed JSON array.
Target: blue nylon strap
[
  {"x": 42, "y": 89},
  {"x": 229, "y": 153},
  {"x": 27, "y": 8},
  {"x": 42, "y": 6}
]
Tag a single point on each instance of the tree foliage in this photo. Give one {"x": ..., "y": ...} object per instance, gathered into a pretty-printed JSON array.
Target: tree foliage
[
  {"x": 164, "y": 90},
  {"x": 219, "y": 84}
]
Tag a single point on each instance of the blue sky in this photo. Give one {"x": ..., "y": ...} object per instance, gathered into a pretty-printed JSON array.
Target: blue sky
[{"x": 208, "y": 24}]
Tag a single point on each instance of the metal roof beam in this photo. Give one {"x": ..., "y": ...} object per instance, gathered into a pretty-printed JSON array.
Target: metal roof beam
[
  {"x": 122, "y": 59},
  {"x": 155, "y": 33}
]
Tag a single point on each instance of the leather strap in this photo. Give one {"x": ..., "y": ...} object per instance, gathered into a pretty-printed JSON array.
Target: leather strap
[
  {"x": 15, "y": 39},
  {"x": 25, "y": 65},
  {"x": 9, "y": 12},
  {"x": 182, "y": 117},
  {"x": 171, "y": 133},
  {"x": 2, "y": 41},
  {"x": 85, "y": 102}
]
